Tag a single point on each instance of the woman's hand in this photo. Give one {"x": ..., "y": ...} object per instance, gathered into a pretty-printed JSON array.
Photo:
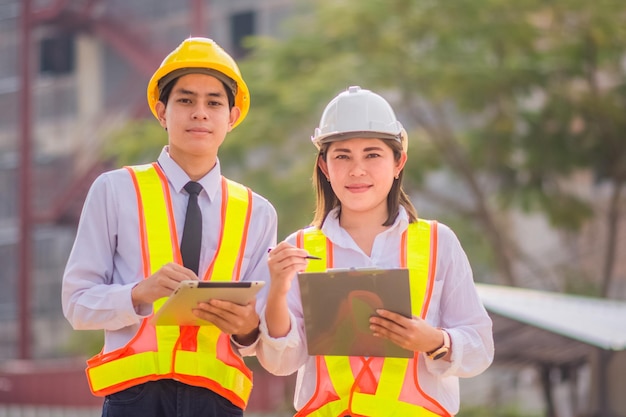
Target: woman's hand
[
  {"x": 412, "y": 334},
  {"x": 284, "y": 262}
]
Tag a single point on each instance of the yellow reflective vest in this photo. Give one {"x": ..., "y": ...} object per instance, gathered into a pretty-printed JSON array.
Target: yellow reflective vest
[
  {"x": 375, "y": 386},
  {"x": 196, "y": 355}
]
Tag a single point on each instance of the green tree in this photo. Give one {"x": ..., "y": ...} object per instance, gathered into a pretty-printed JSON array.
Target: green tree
[{"x": 509, "y": 98}]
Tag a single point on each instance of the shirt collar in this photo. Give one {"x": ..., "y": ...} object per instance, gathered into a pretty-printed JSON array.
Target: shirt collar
[
  {"x": 341, "y": 237},
  {"x": 211, "y": 182}
]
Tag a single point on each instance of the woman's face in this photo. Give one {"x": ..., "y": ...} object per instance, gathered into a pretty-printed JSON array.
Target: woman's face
[{"x": 361, "y": 172}]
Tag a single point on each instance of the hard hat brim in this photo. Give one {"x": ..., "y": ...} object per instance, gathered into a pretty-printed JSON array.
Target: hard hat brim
[{"x": 340, "y": 136}]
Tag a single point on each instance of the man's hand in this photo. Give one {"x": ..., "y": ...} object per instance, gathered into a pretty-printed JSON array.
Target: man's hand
[
  {"x": 241, "y": 321},
  {"x": 161, "y": 284}
]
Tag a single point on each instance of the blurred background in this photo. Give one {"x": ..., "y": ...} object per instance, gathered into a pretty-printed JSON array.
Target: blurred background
[{"x": 516, "y": 114}]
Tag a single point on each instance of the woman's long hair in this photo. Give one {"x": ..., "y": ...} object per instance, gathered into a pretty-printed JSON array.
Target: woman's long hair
[{"x": 326, "y": 199}]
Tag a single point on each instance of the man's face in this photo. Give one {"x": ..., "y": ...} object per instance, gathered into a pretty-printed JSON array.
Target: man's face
[{"x": 197, "y": 117}]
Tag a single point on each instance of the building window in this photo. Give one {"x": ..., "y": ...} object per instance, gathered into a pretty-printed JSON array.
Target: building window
[
  {"x": 56, "y": 55},
  {"x": 242, "y": 25}
]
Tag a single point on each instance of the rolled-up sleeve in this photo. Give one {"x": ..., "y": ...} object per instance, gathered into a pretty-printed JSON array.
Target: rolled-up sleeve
[{"x": 460, "y": 312}]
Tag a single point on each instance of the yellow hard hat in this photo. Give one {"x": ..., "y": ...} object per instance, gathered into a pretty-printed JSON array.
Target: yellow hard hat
[{"x": 201, "y": 55}]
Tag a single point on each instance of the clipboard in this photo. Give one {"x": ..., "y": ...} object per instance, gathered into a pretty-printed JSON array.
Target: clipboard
[
  {"x": 337, "y": 305},
  {"x": 177, "y": 309}
]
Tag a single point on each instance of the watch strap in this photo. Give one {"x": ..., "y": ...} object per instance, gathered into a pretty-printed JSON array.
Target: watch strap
[{"x": 442, "y": 350}]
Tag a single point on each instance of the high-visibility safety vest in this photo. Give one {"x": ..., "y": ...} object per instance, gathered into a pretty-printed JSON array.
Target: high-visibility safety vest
[
  {"x": 375, "y": 386},
  {"x": 196, "y": 355}
]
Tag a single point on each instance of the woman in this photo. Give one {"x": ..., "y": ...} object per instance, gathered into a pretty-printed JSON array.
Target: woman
[{"x": 364, "y": 219}]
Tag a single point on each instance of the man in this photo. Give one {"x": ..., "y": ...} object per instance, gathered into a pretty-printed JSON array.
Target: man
[{"x": 131, "y": 246}]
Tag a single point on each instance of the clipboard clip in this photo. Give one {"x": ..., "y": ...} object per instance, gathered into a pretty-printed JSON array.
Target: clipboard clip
[{"x": 354, "y": 269}]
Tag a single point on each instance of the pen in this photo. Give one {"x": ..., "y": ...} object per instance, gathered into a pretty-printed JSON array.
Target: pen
[{"x": 317, "y": 258}]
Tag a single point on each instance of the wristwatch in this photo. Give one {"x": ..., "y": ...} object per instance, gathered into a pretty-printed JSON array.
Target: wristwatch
[{"x": 441, "y": 351}]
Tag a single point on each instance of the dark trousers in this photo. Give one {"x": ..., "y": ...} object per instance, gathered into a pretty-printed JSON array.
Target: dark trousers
[{"x": 168, "y": 398}]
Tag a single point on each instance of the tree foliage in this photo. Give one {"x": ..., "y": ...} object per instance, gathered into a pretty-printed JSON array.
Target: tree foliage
[
  {"x": 507, "y": 100},
  {"x": 510, "y": 98}
]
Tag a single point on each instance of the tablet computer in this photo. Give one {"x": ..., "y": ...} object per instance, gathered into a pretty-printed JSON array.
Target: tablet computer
[
  {"x": 177, "y": 309},
  {"x": 338, "y": 304}
]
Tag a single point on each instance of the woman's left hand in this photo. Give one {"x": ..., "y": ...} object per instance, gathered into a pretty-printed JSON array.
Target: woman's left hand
[{"x": 413, "y": 334}]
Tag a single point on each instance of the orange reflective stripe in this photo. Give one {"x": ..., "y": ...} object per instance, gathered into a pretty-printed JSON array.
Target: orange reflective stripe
[
  {"x": 142, "y": 237},
  {"x": 416, "y": 253},
  {"x": 236, "y": 219},
  {"x": 158, "y": 228},
  {"x": 422, "y": 244},
  {"x": 433, "y": 264},
  {"x": 330, "y": 404}
]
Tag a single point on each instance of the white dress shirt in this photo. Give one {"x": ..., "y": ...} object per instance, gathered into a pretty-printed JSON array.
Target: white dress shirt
[
  {"x": 105, "y": 262},
  {"x": 454, "y": 306}
]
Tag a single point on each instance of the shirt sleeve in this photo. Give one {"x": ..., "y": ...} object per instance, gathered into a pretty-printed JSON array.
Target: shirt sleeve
[
  {"x": 284, "y": 355},
  {"x": 460, "y": 312},
  {"x": 264, "y": 237},
  {"x": 90, "y": 297}
]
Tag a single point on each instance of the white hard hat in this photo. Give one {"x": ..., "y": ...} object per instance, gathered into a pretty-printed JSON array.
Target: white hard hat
[{"x": 358, "y": 113}]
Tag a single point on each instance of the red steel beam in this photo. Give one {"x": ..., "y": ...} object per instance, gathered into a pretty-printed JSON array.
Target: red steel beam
[
  {"x": 197, "y": 18},
  {"x": 47, "y": 13},
  {"x": 25, "y": 170},
  {"x": 140, "y": 57}
]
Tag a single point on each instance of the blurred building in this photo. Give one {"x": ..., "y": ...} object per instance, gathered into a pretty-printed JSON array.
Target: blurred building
[{"x": 89, "y": 62}]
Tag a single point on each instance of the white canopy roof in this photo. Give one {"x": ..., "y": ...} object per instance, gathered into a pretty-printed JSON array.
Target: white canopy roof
[{"x": 593, "y": 321}]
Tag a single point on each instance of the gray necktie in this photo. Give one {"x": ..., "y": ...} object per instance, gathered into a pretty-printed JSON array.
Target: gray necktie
[{"x": 192, "y": 231}]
